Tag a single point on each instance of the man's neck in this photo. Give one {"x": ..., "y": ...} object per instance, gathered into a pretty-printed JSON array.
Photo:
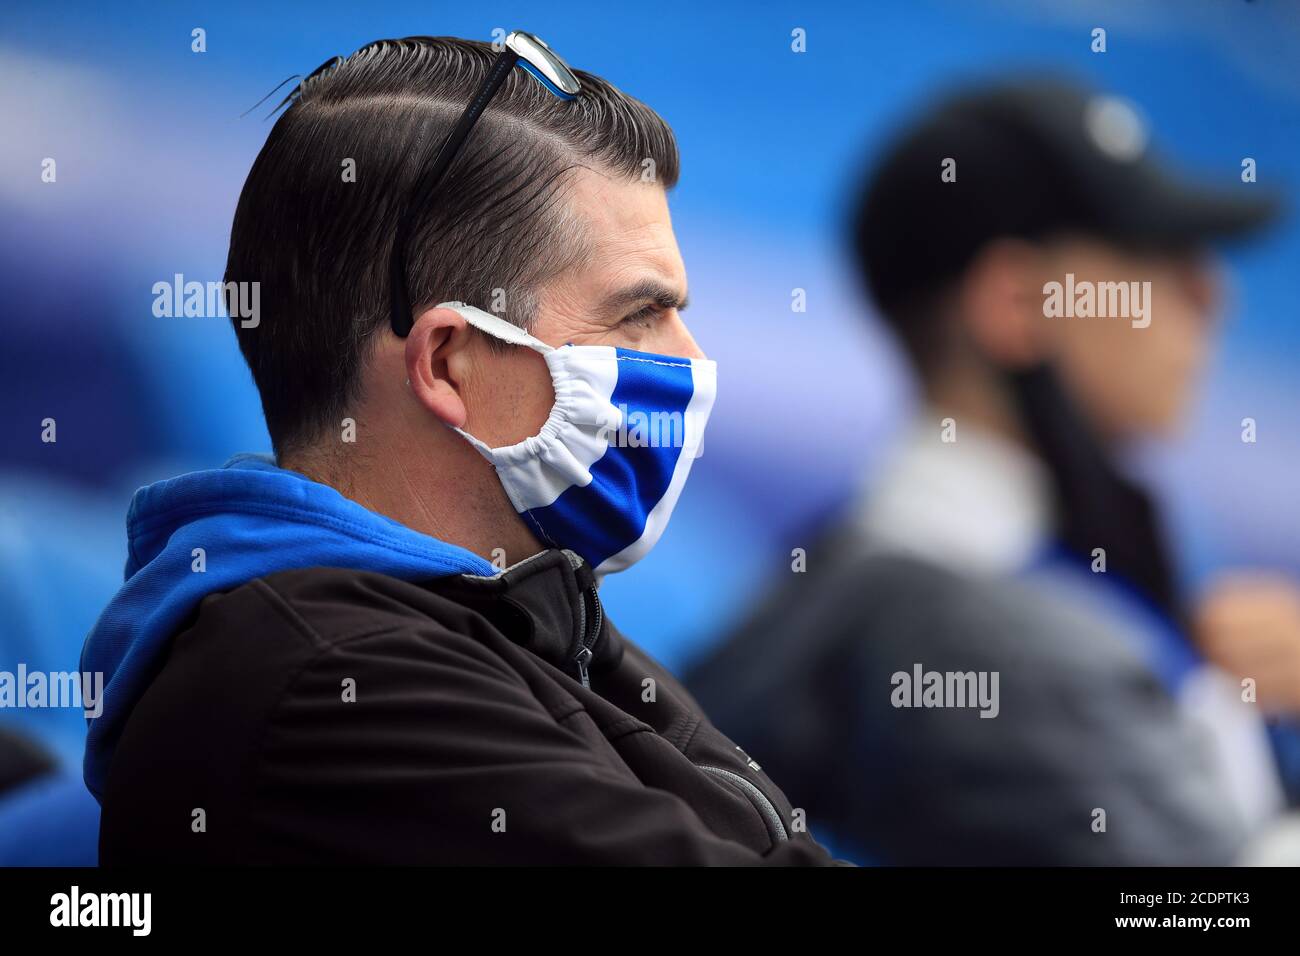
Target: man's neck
[{"x": 466, "y": 509}]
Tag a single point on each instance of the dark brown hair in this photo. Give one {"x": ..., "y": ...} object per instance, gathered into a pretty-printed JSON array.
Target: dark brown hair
[{"x": 319, "y": 245}]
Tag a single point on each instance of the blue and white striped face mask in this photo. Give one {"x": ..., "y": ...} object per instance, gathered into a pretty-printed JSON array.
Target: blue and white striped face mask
[{"x": 603, "y": 474}]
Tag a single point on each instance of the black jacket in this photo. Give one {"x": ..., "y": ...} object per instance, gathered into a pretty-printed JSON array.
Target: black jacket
[{"x": 328, "y": 715}]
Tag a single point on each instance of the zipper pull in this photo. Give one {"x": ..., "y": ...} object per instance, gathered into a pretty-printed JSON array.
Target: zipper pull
[{"x": 583, "y": 657}]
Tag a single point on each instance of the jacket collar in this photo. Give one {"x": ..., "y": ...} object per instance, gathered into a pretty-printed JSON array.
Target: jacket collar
[{"x": 547, "y": 604}]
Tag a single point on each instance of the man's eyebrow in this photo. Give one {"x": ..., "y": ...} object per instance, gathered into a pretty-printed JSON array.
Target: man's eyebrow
[{"x": 646, "y": 290}]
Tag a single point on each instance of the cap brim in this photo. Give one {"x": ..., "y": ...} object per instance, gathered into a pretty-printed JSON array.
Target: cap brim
[{"x": 1174, "y": 211}]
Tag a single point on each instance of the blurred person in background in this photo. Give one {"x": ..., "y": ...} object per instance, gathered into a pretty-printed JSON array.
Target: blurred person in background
[
  {"x": 1051, "y": 283},
  {"x": 386, "y": 645}
]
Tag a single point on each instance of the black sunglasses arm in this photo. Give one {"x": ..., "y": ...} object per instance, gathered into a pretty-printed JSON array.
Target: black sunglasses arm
[{"x": 400, "y": 316}]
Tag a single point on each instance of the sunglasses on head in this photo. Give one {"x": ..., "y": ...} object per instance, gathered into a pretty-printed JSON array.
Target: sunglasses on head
[{"x": 521, "y": 49}]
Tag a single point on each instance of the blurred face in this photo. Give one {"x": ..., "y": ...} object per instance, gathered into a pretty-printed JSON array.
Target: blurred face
[
  {"x": 1132, "y": 373},
  {"x": 629, "y": 292}
]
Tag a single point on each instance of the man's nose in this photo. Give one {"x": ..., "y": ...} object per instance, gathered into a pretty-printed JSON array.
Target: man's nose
[{"x": 684, "y": 343}]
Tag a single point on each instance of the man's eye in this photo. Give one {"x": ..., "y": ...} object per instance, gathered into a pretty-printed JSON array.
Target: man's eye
[{"x": 642, "y": 317}]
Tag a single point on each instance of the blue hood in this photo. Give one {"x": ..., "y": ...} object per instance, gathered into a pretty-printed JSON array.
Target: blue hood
[{"x": 251, "y": 518}]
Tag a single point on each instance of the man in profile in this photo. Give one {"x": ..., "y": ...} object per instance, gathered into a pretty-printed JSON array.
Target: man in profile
[{"x": 387, "y": 644}]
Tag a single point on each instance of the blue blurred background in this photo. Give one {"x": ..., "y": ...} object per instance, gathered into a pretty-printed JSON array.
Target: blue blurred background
[{"x": 151, "y": 153}]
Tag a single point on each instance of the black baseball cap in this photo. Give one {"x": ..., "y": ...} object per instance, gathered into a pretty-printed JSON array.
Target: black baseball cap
[{"x": 1036, "y": 156}]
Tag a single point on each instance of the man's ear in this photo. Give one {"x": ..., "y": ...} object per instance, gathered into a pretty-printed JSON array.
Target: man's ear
[
  {"x": 438, "y": 363},
  {"x": 1002, "y": 303}
]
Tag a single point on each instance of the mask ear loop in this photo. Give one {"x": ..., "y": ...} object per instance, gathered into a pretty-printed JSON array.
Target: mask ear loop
[{"x": 497, "y": 327}]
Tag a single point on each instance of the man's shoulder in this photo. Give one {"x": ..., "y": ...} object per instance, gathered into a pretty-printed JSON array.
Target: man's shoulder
[
  {"x": 273, "y": 635},
  {"x": 318, "y": 607},
  {"x": 274, "y": 679}
]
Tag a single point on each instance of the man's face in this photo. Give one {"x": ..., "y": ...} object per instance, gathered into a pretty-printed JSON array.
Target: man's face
[{"x": 628, "y": 292}]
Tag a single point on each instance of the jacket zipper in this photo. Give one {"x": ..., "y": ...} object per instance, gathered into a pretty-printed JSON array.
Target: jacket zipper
[
  {"x": 775, "y": 827},
  {"x": 585, "y": 652}
]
